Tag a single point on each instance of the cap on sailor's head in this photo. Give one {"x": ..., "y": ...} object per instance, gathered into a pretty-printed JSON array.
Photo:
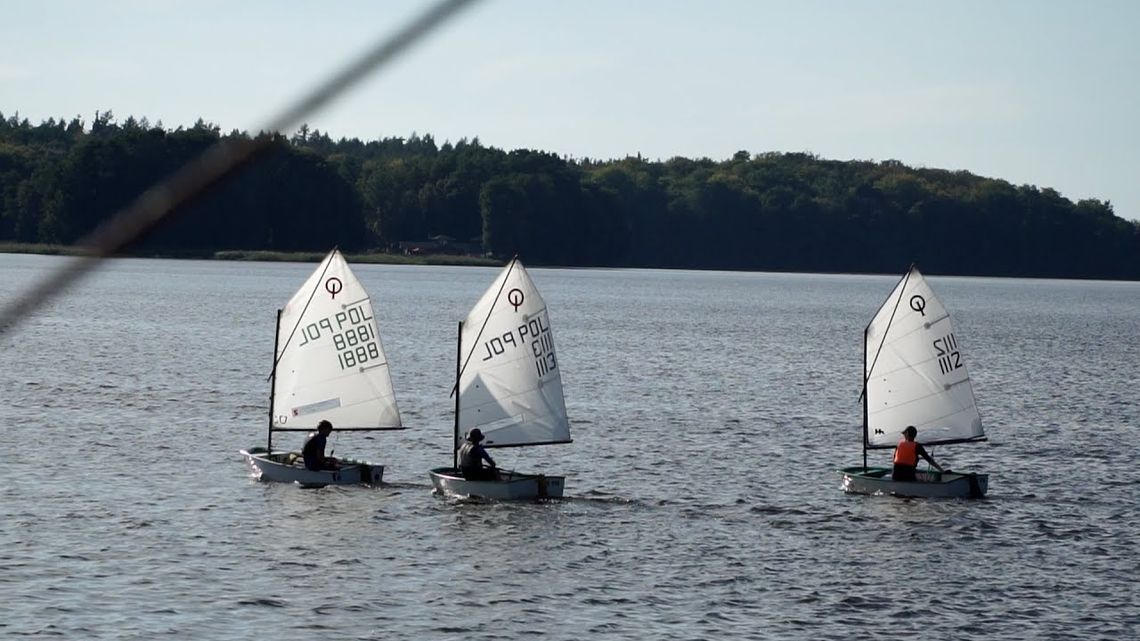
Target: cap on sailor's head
[
  {"x": 475, "y": 435},
  {"x": 910, "y": 430}
]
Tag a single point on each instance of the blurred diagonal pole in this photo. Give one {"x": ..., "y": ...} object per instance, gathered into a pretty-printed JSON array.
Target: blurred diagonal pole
[{"x": 220, "y": 161}]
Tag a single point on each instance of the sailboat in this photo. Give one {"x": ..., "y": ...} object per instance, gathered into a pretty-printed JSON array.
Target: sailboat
[
  {"x": 509, "y": 385},
  {"x": 914, "y": 374},
  {"x": 328, "y": 364}
]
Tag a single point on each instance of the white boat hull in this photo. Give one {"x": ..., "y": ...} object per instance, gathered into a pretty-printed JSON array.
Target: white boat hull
[
  {"x": 933, "y": 485},
  {"x": 286, "y": 467},
  {"x": 510, "y": 487}
]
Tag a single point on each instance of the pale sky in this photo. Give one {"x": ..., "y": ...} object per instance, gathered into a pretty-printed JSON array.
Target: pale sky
[{"x": 1031, "y": 91}]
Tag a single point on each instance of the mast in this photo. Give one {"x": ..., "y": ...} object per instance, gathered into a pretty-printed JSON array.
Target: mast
[
  {"x": 865, "y": 399},
  {"x": 901, "y": 287},
  {"x": 458, "y": 371},
  {"x": 273, "y": 383}
]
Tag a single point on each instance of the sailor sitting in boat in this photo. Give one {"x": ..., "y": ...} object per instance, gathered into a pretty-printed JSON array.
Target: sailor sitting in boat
[
  {"x": 471, "y": 457},
  {"x": 906, "y": 456},
  {"x": 314, "y": 449}
]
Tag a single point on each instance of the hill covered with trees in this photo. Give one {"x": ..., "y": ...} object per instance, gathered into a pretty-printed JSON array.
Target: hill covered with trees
[{"x": 769, "y": 211}]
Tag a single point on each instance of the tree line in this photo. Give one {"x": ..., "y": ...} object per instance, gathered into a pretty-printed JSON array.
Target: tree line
[{"x": 767, "y": 211}]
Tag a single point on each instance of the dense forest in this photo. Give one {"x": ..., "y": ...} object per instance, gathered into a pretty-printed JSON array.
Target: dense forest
[{"x": 767, "y": 211}]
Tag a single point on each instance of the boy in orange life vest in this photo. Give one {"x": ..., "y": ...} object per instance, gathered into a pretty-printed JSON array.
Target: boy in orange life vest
[{"x": 906, "y": 456}]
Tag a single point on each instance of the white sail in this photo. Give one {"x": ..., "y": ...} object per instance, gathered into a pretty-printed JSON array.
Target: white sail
[
  {"x": 330, "y": 361},
  {"x": 510, "y": 386},
  {"x": 915, "y": 373}
]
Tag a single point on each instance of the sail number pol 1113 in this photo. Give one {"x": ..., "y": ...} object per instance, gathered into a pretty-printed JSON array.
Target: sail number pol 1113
[{"x": 535, "y": 333}]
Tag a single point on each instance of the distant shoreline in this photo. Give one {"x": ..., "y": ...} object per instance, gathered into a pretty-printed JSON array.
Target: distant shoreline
[
  {"x": 265, "y": 256},
  {"x": 385, "y": 258}
]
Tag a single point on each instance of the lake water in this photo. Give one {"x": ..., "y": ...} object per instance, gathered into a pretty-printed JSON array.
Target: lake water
[{"x": 709, "y": 413}]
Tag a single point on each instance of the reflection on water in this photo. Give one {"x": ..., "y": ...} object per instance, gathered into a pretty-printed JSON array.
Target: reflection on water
[{"x": 709, "y": 413}]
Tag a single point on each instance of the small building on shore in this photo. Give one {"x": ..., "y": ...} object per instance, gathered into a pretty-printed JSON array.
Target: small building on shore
[{"x": 441, "y": 244}]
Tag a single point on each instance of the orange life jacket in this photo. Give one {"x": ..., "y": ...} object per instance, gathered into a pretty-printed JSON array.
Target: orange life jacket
[{"x": 906, "y": 453}]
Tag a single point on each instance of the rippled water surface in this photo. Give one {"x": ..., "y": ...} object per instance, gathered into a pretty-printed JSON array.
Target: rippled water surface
[{"x": 710, "y": 411}]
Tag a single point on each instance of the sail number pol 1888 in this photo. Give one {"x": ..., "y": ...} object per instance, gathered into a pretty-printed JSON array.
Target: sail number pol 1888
[
  {"x": 356, "y": 346},
  {"x": 353, "y": 335}
]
